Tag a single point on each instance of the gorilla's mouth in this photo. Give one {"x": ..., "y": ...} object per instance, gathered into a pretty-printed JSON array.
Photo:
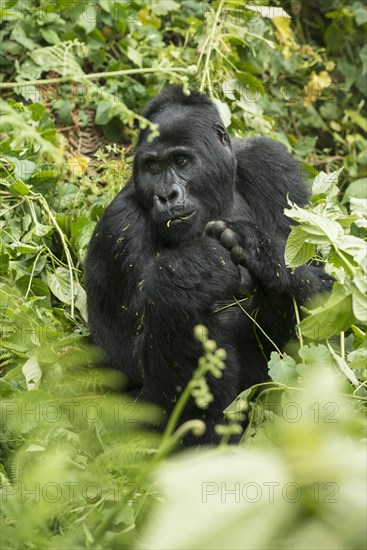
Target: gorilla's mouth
[{"x": 182, "y": 218}]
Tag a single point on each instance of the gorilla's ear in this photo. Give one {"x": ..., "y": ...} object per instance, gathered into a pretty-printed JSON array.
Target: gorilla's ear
[{"x": 221, "y": 133}]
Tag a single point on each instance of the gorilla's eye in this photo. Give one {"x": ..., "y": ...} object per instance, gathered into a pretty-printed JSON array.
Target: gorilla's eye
[
  {"x": 180, "y": 161},
  {"x": 153, "y": 168}
]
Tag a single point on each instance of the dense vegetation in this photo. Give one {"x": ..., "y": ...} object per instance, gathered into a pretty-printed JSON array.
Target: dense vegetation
[{"x": 80, "y": 467}]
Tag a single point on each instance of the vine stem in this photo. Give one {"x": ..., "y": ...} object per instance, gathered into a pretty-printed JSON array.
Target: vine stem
[
  {"x": 91, "y": 76},
  {"x": 69, "y": 260},
  {"x": 259, "y": 327},
  {"x": 175, "y": 415},
  {"x": 344, "y": 259},
  {"x": 342, "y": 344},
  {"x": 206, "y": 75},
  {"x": 32, "y": 273},
  {"x": 298, "y": 330}
]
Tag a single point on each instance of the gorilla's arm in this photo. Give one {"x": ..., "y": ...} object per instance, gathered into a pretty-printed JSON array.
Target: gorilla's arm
[
  {"x": 113, "y": 273},
  {"x": 266, "y": 175},
  {"x": 263, "y": 255}
]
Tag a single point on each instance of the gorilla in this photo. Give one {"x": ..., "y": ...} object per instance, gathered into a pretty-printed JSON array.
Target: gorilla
[{"x": 199, "y": 227}]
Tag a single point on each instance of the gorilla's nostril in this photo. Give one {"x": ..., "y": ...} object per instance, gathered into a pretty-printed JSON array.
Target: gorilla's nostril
[
  {"x": 173, "y": 195},
  {"x": 159, "y": 199}
]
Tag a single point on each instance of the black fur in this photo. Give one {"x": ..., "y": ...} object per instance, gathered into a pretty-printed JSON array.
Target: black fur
[{"x": 151, "y": 276}]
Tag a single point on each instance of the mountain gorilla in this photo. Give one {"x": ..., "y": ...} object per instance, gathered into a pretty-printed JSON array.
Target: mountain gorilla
[{"x": 199, "y": 225}]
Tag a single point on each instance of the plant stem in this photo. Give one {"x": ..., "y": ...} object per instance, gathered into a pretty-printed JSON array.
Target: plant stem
[
  {"x": 342, "y": 344},
  {"x": 206, "y": 73},
  {"x": 298, "y": 330},
  {"x": 176, "y": 413},
  {"x": 91, "y": 76},
  {"x": 69, "y": 260},
  {"x": 259, "y": 327}
]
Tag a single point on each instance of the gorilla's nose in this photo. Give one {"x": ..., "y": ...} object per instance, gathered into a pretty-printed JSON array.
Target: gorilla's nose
[{"x": 168, "y": 197}]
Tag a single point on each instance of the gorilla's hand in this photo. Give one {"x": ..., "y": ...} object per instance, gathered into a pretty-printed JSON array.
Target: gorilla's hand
[
  {"x": 229, "y": 239},
  {"x": 218, "y": 229}
]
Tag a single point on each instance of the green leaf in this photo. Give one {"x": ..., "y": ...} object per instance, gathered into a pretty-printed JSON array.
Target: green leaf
[
  {"x": 134, "y": 56},
  {"x": 360, "y": 12},
  {"x": 32, "y": 373},
  {"x": 41, "y": 230},
  {"x": 314, "y": 357},
  {"x": 59, "y": 283},
  {"x": 357, "y": 118},
  {"x": 19, "y": 188},
  {"x": 48, "y": 175},
  {"x": 330, "y": 318},
  {"x": 81, "y": 300},
  {"x": 355, "y": 247},
  {"x": 88, "y": 19},
  {"x": 297, "y": 250},
  {"x": 4, "y": 261},
  {"x": 360, "y": 306},
  {"x": 357, "y": 189},
  {"x": 104, "y": 112},
  {"x": 50, "y": 35},
  {"x": 321, "y": 229},
  {"x": 323, "y": 182},
  {"x": 358, "y": 359},
  {"x": 282, "y": 369},
  {"x": 25, "y": 248},
  {"x": 305, "y": 145},
  {"x": 344, "y": 367},
  {"x": 162, "y": 7}
]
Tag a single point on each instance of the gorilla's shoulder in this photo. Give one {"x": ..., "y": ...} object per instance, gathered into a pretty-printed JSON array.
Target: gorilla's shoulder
[
  {"x": 260, "y": 147},
  {"x": 122, "y": 208},
  {"x": 265, "y": 163}
]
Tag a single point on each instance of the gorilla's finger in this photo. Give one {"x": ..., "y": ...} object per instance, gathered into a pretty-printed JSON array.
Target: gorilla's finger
[
  {"x": 238, "y": 255},
  {"x": 228, "y": 238}
]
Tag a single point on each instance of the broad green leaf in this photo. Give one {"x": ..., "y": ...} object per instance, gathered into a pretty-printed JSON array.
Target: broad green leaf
[
  {"x": 355, "y": 247},
  {"x": 59, "y": 283},
  {"x": 343, "y": 366},
  {"x": 88, "y": 19},
  {"x": 283, "y": 26},
  {"x": 32, "y": 373},
  {"x": 41, "y": 230},
  {"x": 134, "y": 56},
  {"x": 220, "y": 519},
  {"x": 360, "y": 306},
  {"x": 282, "y": 369},
  {"x": 50, "y": 35},
  {"x": 323, "y": 182},
  {"x": 25, "y": 248},
  {"x": 162, "y": 7},
  {"x": 358, "y": 208},
  {"x": 81, "y": 300},
  {"x": 297, "y": 250},
  {"x": 358, "y": 358},
  {"x": 4, "y": 261},
  {"x": 46, "y": 175},
  {"x": 314, "y": 357},
  {"x": 357, "y": 118},
  {"x": 332, "y": 317},
  {"x": 357, "y": 189},
  {"x": 146, "y": 17},
  {"x": 19, "y": 188},
  {"x": 103, "y": 112},
  {"x": 321, "y": 229}
]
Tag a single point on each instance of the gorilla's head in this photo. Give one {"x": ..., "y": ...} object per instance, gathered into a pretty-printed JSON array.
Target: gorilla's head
[{"x": 185, "y": 176}]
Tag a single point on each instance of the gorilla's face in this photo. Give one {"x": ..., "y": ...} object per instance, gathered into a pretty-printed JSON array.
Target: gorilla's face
[{"x": 185, "y": 177}]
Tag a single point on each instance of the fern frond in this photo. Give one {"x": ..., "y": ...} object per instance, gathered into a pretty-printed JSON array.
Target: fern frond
[{"x": 61, "y": 58}]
